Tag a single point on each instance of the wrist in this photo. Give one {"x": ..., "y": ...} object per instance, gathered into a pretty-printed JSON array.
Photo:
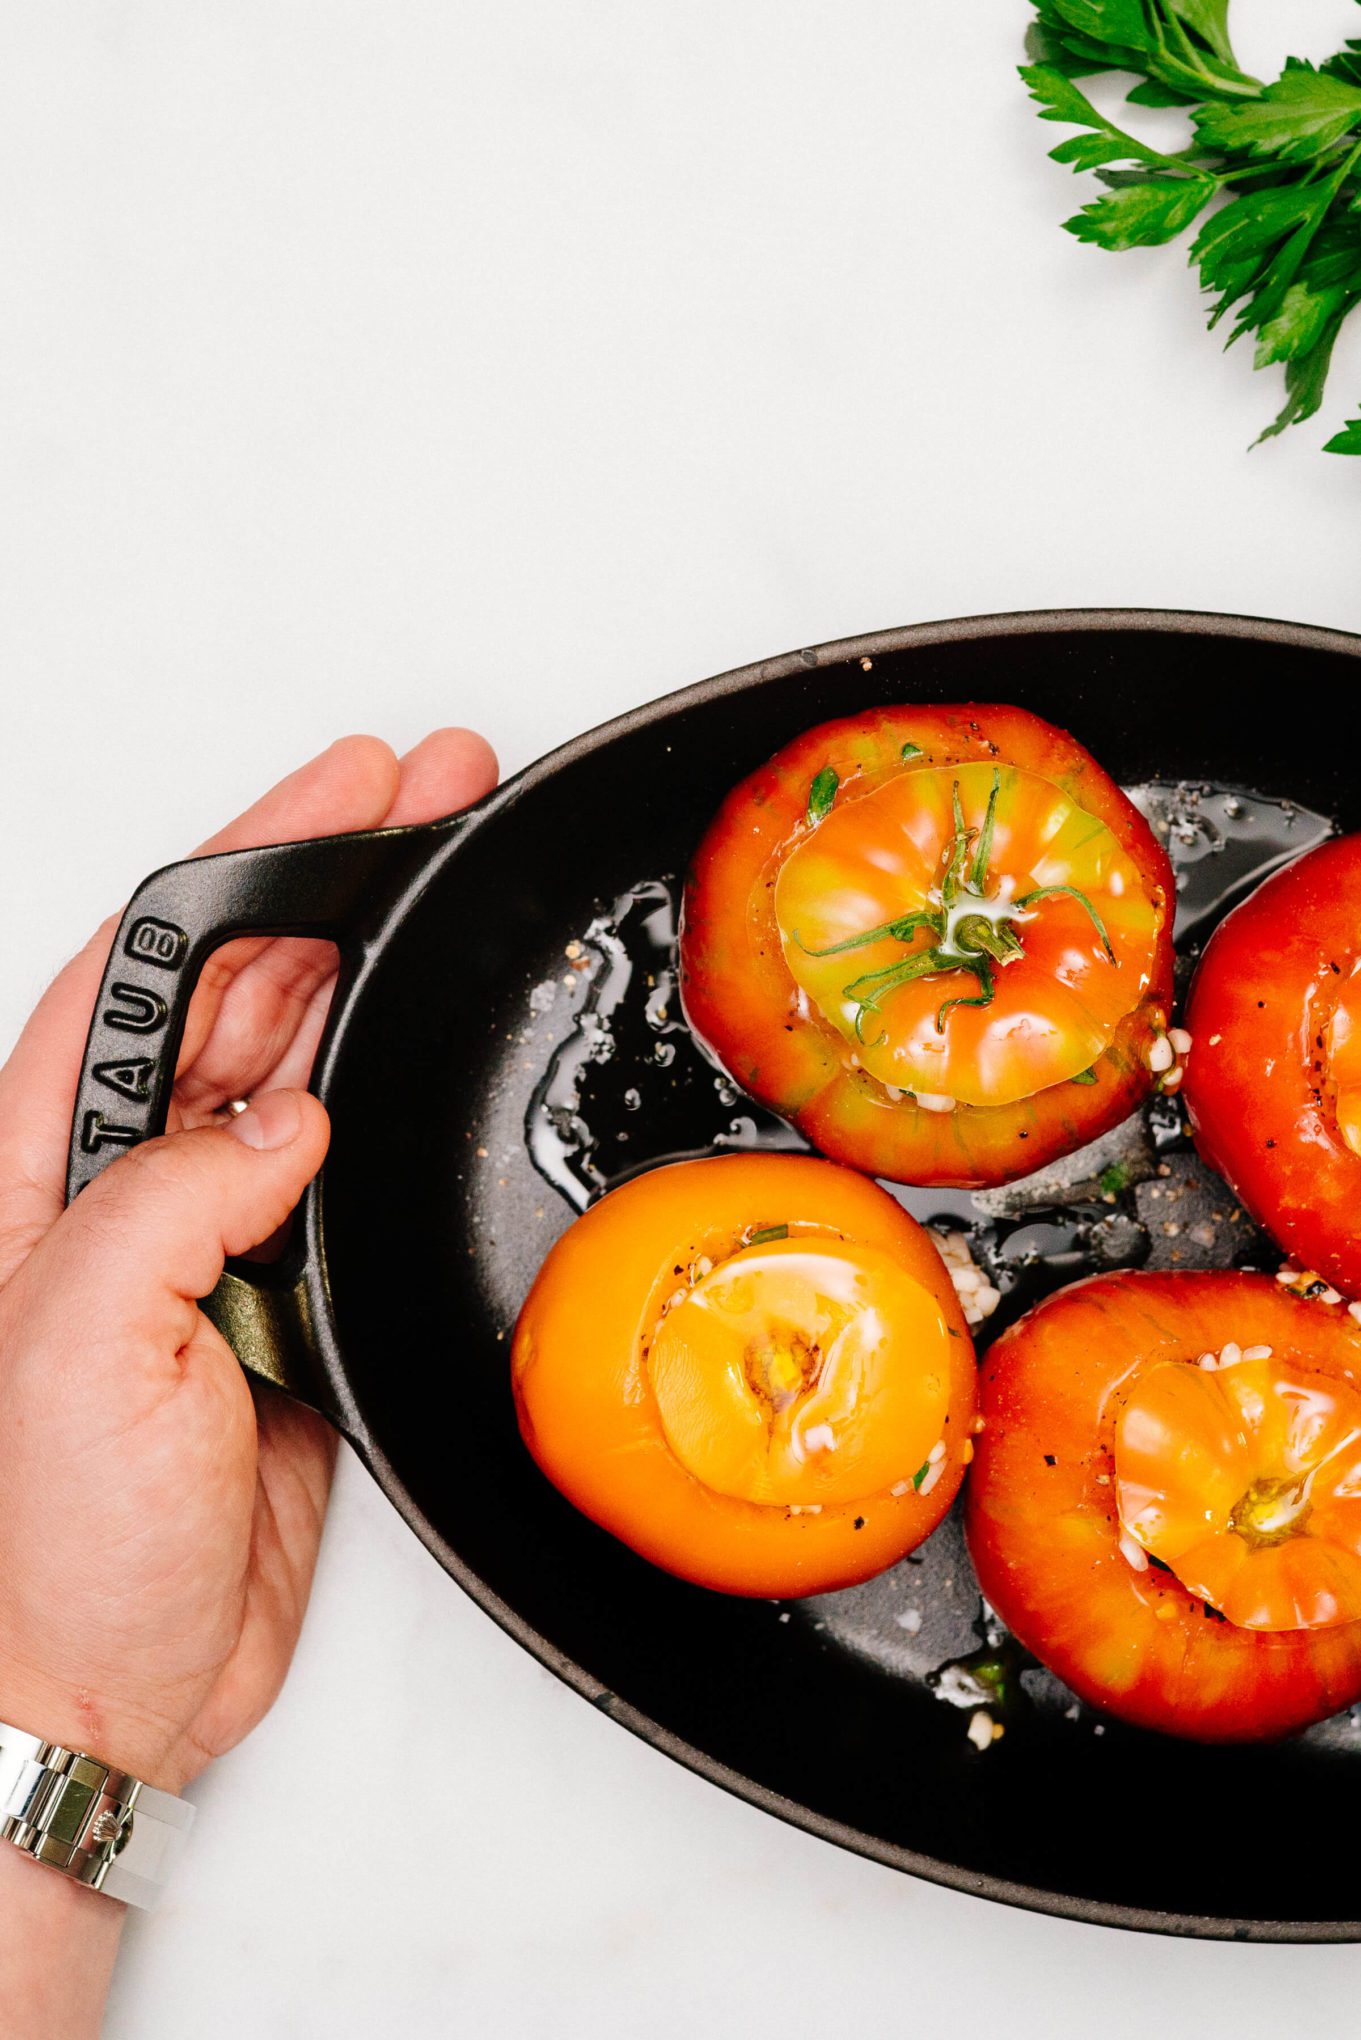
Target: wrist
[
  {"x": 118, "y": 1735},
  {"x": 58, "y": 1942}
]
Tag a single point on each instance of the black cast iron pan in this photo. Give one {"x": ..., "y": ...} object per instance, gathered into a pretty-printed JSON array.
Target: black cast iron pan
[{"x": 462, "y": 1017}]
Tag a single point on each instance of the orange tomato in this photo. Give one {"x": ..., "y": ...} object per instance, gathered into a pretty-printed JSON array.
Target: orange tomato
[
  {"x": 753, "y": 1370},
  {"x": 1165, "y": 1504},
  {"x": 937, "y": 939}
]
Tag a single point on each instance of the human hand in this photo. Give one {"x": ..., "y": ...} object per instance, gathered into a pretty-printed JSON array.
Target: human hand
[{"x": 159, "y": 1517}]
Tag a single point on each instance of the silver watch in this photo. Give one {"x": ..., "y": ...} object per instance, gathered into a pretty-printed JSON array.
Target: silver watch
[{"x": 82, "y": 1817}]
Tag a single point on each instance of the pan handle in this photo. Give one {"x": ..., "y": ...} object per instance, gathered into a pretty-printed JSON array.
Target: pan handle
[{"x": 334, "y": 886}]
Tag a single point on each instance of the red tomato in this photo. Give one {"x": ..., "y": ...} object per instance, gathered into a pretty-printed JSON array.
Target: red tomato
[
  {"x": 753, "y": 1370},
  {"x": 1273, "y": 1083},
  {"x": 1165, "y": 1500},
  {"x": 937, "y": 939}
]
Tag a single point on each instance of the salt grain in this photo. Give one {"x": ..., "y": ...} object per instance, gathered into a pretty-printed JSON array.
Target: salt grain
[{"x": 980, "y": 1729}]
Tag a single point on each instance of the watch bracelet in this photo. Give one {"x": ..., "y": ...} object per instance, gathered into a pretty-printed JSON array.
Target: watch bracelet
[{"x": 87, "y": 1819}]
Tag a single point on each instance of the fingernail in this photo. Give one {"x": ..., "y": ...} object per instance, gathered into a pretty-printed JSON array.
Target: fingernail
[{"x": 270, "y": 1121}]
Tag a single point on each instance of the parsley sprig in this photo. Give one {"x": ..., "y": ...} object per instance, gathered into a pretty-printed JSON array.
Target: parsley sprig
[{"x": 1273, "y": 173}]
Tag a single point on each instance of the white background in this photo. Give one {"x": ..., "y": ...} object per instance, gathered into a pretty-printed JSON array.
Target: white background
[{"x": 511, "y": 361}]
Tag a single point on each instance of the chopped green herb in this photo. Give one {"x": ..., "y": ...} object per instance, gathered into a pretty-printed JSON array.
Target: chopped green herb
[
  {"x": 1084, "y": 1077},
  {"x": 1274, "y": 168},
  {"x": 822, "y": 793},
  {"x": 920, "y": 1475},
  {"x": 991, "y": 1674},
  {"x": 1113, "y": 1179},
  {"x": 910, "y": 751},
  {"x": 771, "y": 1232}
]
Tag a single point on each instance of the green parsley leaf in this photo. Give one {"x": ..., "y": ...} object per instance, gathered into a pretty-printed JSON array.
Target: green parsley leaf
[
  {"x": 1112, "y": 21},
  {"x": 1042, "y": 46},
  {"x": 1305, "y": 378},
  {"x": 1295, "y": 120},
  {"x": 1059, "y": 99},
  {"x": 1142, "y": 214},
  {"x": 1283, "y": 250},
  {"x": 771, "y": 1232},
  {"x": 1151, "y": 93},
  {"x": 1236, "y": 246},
  {"x": 1095, "y": 53},
  {"x": 1336, "y": 254},
  {"x": 1208, "y": 20},
  {"x": 1346, "y": 64},
  {"x": 910, "y": 751},
  {"x": 1306, "y": 314},
  {"x": 1348, "y": 440},
  {"x": 1084, "y": 1077},
  {"x": 822, "y": 793}
]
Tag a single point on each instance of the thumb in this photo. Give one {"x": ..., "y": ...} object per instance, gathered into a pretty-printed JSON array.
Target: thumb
[{"x": 135, "y": 1252}]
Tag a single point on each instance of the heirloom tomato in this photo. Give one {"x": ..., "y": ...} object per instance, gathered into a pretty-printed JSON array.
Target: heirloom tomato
[
  {"x": 1273, "y": 1083},
  {"x": 937, "y": 939},
  {"x": 753, "y": 1370},
  {"x": 1165, "y": 1505}
]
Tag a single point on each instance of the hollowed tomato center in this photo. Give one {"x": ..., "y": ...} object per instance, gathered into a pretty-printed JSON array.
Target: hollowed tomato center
[
  {"x": 971, "y": 933},
  {"x": 805, "y": 1371},
  {"x": 1245, "y": 1479}
]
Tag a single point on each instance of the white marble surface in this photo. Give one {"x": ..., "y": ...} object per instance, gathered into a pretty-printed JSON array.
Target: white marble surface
[{"x": 383, "y": 365}]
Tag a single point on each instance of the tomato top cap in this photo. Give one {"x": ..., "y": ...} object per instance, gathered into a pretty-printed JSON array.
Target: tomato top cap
[
  {"x": 970, "y": 930},
  {"x": 1242, "y": 1473},
  {"x": 801, "y": 1371}
]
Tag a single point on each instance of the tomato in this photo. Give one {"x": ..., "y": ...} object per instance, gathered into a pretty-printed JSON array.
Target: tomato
[
  {"x": 1165, "y": 1505},
  {"x": 753, "y": 1370},
  {"x": 1273, "y": 1083},
  {"x": 937, "y": 939}
]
